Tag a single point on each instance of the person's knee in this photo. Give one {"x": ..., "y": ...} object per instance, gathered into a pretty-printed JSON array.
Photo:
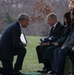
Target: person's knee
[
  {"x": 62, "y": 52},
  {"x": 37, "y": 47}
]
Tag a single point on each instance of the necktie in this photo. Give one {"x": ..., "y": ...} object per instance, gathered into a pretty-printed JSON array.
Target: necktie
[{"x": 52, "y": 28}]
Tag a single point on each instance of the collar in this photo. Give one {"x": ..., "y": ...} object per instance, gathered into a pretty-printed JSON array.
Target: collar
[
  {"x": 20, "y": 25},
  {"x": 55, "y": 24}
]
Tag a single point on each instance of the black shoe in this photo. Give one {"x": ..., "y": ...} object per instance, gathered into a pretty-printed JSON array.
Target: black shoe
[
  {"x": 43, "y": 71},
  {"x": 18, "y": 73}
]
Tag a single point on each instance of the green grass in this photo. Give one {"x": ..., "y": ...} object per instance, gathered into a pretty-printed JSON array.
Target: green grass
[{"x": 30, "y": 63}]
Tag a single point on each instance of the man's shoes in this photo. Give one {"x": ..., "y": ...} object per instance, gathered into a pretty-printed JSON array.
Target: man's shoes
[
  {"x": 43, "y": 71},
  {"x": 18, "y": 73}
]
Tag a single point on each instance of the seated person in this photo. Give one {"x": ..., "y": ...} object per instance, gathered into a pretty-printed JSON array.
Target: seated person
[{"x": 55, "y": 33}]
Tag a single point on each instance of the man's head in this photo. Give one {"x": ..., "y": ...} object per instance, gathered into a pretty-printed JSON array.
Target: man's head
[
  {"x": 51, "y": 19},
  {"x": 23, "y": 19},
  {"x": 71, "y": 5}
]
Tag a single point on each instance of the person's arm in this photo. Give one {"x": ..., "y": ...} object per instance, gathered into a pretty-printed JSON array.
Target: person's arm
[
  {"x": 61, "y": 40},
  {"x": 15, "y": 32},
  {"x": 65, "y": 34},
  {"x": 70, "y": 41},
  {"x": 43, "y": 43}
]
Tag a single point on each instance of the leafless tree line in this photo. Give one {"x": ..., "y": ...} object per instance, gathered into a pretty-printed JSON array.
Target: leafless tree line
[{"x": 37, "y": 9}]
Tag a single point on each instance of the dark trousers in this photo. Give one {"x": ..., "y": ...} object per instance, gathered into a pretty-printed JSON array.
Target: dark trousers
[
  {"x": 59, "y": 59},
  {"x": 48, "y": 56},
  {"x": 40, "y": 53},
  {"x": 40, "y": 49},
  {"x": 8, "y": 64}
]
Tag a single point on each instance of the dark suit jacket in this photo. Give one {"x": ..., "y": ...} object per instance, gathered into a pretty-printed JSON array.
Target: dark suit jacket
[
  {"x": 10, "y": 40},
  {"x": 58, "y": 30}
]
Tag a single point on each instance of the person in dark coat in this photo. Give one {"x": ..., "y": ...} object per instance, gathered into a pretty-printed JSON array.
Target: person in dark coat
[
  {"x": 55, "y": 31},
  {"x": 61, "y": 53},
  {"x": 11, "y": 45}
]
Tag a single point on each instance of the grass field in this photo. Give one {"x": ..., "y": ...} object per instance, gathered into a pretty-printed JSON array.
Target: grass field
[{"x": 30, "y": 63}]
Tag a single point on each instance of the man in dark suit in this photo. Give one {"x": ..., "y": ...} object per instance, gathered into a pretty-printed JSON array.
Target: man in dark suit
[
  {"x": 11, "y": 44},
  {"x": 55, "y": 32}
]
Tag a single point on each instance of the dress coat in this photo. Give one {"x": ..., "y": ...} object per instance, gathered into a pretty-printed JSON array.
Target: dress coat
[{"x": 10, "y": 41}]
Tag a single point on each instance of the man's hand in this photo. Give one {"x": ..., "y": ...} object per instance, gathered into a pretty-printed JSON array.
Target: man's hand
[
  {"x": 55, "y": 43},
  {"x": 72, "y": 48},
  {"x": 42, "y": 43},
  {"x": 63, "y": 47},
  {"x": 24, "y": 44}
]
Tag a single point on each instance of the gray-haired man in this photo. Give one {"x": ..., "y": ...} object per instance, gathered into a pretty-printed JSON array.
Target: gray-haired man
[{"x": 11, "y": 45}]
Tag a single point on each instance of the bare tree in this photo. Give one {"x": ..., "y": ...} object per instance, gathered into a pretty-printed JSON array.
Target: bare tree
[
  {"x": 37, "y": 9},
  {"x": 40, "y": 10}
]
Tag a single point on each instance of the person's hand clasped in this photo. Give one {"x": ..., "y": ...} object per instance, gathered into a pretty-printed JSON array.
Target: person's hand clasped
[
  {"x": 42, "y": 43},
  {"x": 55, "y": 43},
  {"x": 62, "y": 47}
]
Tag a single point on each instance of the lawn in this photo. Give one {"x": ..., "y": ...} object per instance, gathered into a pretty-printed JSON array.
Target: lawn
[{"x": 30, "y": 63}]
